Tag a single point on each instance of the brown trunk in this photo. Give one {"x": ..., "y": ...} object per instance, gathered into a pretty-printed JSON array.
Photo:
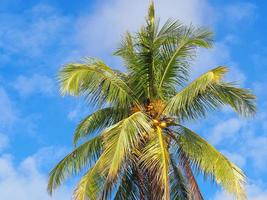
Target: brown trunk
[{"x": 141, "y": 185}]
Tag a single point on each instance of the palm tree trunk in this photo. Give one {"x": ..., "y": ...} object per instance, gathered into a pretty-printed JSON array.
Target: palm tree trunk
[
  {"x": 141, "y": 185},
  {"x": 196, "y": 193}
]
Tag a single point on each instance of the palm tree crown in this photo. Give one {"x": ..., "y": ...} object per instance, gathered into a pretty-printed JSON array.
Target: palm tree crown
[{"x": 135, "y": 145}]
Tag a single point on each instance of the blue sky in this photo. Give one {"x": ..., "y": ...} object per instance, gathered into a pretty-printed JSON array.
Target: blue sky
[{"x": 38, "y": 37}]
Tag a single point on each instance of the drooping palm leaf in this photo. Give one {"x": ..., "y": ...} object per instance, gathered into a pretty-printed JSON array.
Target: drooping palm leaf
[
  {"x": 156, "y": 158},
  {"x": 75, "y": 162},
  {"x": 128, "y": 189},
  {"x": 176, "y": 53},
  {"x": 211, "y": 162},
  {"x": 241, "y": 100},
  {"x": 119, "y": 140},
  {"x": 90, "y": 184},
  {"x": 178, "y": 185},
  {"x": 97, "y": 81},
  {"x": 193, "y": 185},
  {"x": 184, "y": 104},
  {"x": 184, "y": 165},
  {"x": 208, "y": 92},
  {"x": 97, "y": 121},
  {"x": 119, "y": 145}
]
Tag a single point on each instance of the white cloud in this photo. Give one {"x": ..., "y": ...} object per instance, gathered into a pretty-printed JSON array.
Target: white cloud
[
  {"x": 236, "y": 158},
  {"x": 255, "y": 149},
  {"x": 7, "y": 110},
  {"x": 4, "y": 141},
  {"x": 72, "y": 115},
  {"x": 220, "y": 55},
  {"x": 43, "y": 156},
  {"x": 240, "y": 11},
  {"x": 26, "y": 181},
  {"x": 78, "y": 112},
  {"x": 254, "y": 192},
  {"x": 100, "y": 32},
  {"x": 31, "y": 32},
  {"x": 37, "y": 83},
  {"x": 225, "y": 131},
  {"x": 243, "y": 141}
]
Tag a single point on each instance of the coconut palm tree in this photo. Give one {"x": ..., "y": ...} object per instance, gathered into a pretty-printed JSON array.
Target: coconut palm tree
[{"x": 135, "y": 146}]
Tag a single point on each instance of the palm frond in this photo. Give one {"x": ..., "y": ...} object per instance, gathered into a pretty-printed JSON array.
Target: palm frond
[
  {"x": 178, "y": 185},
  {"x": 127, "y": 51},
  {"x": 90, "y": 184},
  {"x": 151, "y": 12},
  {"x": 170, "y": 29},
  {"x": 156, "y": 158},
  {"x": 211, "y": 162},
  {"x": 97, "y": 121},
  {"x": 119, "y": 143},
  {"x": 128, "y": 189},
  {"x": 75, "y": 162},
  {"x": 177, "y": 52},
  {"x": 142, "y": 55},
  {"x": 185, "y": 103},
  {"x": 207, "y": 93},
  {"x": 119, "y": 140},
  {"x": 194, "y": 188},
  {"x": 97, "y": 81},
  {"x": 241, "y": 100}
]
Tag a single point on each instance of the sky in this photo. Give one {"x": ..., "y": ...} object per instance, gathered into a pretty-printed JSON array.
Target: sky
[{"x": 38, "y": 37}]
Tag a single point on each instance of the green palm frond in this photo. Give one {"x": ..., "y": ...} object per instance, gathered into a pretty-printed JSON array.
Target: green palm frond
[
  {"x": 193, "y": 190},
  {"x": 97, "y": 81},
  {"x": 90, "y": 184},
  {"x": 156, "y": 157},
  {"x": 147, "y": 54},
  {"x": 170, "y": 30},
  {"x": 75, "y": 162},
  {"x": 208, "y": 92},
  {"x": 119, "y": 140},
  {"x": 185, "y": 103},
  {"x": 177, "y": 52},
  {"x": 127, "y": 190},
  {"x": 127, "y": 51},
  {"x": 122, "y": 139},
  {"x": 151, "y": 13},
  {"x": 211, "y": 162},
  {"x": 97, "y": 121},
  {"x": 80, "y": 191},
  {"x": 241, "y": 100},
  {"x": 178, "y": 185}
]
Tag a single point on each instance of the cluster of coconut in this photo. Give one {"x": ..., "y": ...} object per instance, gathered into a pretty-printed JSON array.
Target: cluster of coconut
[{"x": 155, "y": 110}]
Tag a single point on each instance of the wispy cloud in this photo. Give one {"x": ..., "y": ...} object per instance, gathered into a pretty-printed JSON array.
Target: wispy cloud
[
  {"x": 27, "y": 179},
  {"x": 4, "y": 141},
  {"x": 7, "y": 109},
  {"x": 40, "y": 38},
  {"x": 254, "y": 191},
  {"x": 35, "y": 84},
  {"x": 220, "y": 55},
  {"x": 111, "y": 19},
  {"x": 238, "y": 12},
  {"x": 243, "y": 138},
  {"x": 225, "y": 131}
]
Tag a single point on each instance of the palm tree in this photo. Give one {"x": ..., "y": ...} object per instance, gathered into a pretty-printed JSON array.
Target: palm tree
[{"x": 135, "y": 145}]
